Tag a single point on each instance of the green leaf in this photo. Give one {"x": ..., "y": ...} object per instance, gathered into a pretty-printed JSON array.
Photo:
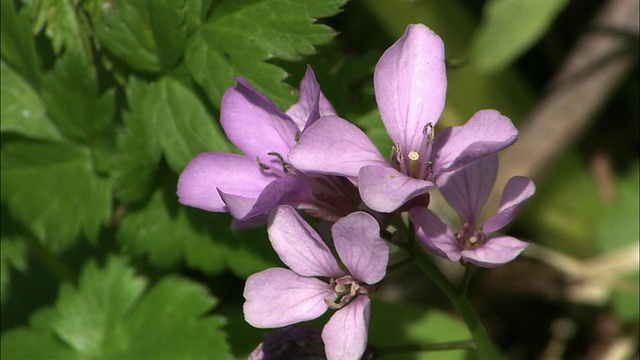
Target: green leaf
[
  {"x": 109, "y": 315},
  {"x": 73, "y": 100},
  {"x": 122, "y": 27},
  {"x": 63, "y": 25},
  {"x": 170, "y": 117},
  {"x": 23, "y": 111},
  {"x": 18, "y": 48},
  {"x": 511, "y": 27},
  {"x": 169, "y": 29},
  {"x": 394, "y": 324},
  {"x": 13, "y": 253},
  {"x": 52, "y": 188},
  {"x": 168, "y": 233},
  {"x": 617, "y": 226},
  {"x": 241, "y": 35},
  {"x": 162, "y": 232}
]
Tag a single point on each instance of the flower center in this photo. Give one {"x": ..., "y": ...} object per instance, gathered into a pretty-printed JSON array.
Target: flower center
[
  {"x": 417, "y": 163},
  {"x": 346, "y": 289},
  {"x": 470, "y": 238}
]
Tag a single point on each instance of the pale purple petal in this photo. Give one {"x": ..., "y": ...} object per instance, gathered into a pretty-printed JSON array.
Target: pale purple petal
[
  {"x": 299, "y": 245},
  {"x": 487, "y": 132},
  {"x": 359, "y": 246},
  {"x": 312, "y": 104},
  {"x": 495, "y": 252},
  {"x": 255, "y": 124},
  {"x": 345, "y": 334},
  {"x": 334, "y": 146},
  {"x": 518, "y": 190},
  {"x": 287, "y": 190},
  {"x": 435, "y": 234},
  {"x": 468, "y": 188},
  {"x": 385, "y": 189},
  {"x": 410, "y": 85},
  {"x": 206, "y": 173},
  {"x": 279, "y": 297}
]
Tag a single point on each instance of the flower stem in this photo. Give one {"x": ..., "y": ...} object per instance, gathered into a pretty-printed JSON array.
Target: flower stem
[
  {"x": 443, "y": 346},
  {"x": 484, "y": 347}
]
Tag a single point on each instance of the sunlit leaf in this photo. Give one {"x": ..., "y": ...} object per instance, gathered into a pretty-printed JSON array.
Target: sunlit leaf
[{"x": 511, "y": 27}]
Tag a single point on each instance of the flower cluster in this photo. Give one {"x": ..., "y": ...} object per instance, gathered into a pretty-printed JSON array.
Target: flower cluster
[{"x": 309, "y": 160}]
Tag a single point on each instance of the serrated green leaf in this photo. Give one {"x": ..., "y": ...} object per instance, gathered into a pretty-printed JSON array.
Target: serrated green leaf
[
  {"x": 23, "y": 111},
  {"x": 73, "y": 100},
  {"x": 168, "y": 233},
  {"x": 400, "y": 324},
  {"x": 63, "y": 25},
  {"x": 167, "y": 19},
  {"x": 109, "y": 315},
  {"x": 241, "y": 35},
  {"x": 172, "y": 118},
  {"x": 495, "y": 47},
  {"x": 122, "y": 27},
  {"x": 163, "y": 233},
  {"x": 52, "y": 188},
  {"x": 18, "y": 48}
]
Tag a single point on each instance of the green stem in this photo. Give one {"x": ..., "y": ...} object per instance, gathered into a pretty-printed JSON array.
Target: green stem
[
  {"x": 444, "y": 346},
  {"x": 485, "y": 349},
  {"x": 466, "y": 279}
]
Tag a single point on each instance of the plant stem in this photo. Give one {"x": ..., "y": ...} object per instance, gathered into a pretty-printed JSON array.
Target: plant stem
[
  {"x": 484, "y": 347},
  {"x": 443, "y": 346}
]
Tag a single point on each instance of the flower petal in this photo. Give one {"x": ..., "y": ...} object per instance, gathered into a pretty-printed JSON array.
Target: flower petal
[
  {"x": 255, "y": 124},
  {"x": 385, "y": 189},
  {"x": 468, "y": 188},
  {"x": 485, "y": 133},
  {"x": 495, "y": 252},
  {"x": 358, "y": 243},
  {"x": 435, "y": 234},
  {"x": 279, "y": 297},
  {"x": 410, "y": 85},
  {"x": 334, "y": 146},
  {"x": 299, "y": 245},
  {"x": 206, "y": 173},
  {"x": 345, "y": 334},
  {"x": 518, "y": 190},
  {"x": 312, "y": 105},
  {"x": 287, "y": 190}
]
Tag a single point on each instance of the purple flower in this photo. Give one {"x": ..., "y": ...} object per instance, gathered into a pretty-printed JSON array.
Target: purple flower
[
  {"x": 294, "y": 342},
  {"x": 410, "y": 86},
  {"x": 278, "y": 297},
  {"x": 249, "y": 185},
  {"x": 467, "y": 190}
]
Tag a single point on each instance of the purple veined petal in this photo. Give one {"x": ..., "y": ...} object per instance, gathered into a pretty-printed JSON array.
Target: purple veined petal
[
  {"x": 279, "y": 297},
  {"x": 206, "y": 173},
  {"x": 468, "y": 188},
  {"x": 410, "y": 85},
  {"x": 334, "y": 146},
  {"x": 359, "y": 246},
  {"x": 385, "y": 189},
  {"x": 485, "y": 133},
  {"x": 495, "y": 252},
  {"x": 287, "y": 190},
  {"x": 254, "y": 123},
  {"x": 345, "y": 334},
  {"x": 299, "y": 245},
  {"x": 312, "y": 104},
  {"x": 435, "y": 234},
  {"x": 518, "y": 190}
]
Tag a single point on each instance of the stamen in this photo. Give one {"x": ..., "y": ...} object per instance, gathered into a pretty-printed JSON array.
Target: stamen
[
  {"x": 262, "y": 165},
  {"x": 298, "y": 135}
]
